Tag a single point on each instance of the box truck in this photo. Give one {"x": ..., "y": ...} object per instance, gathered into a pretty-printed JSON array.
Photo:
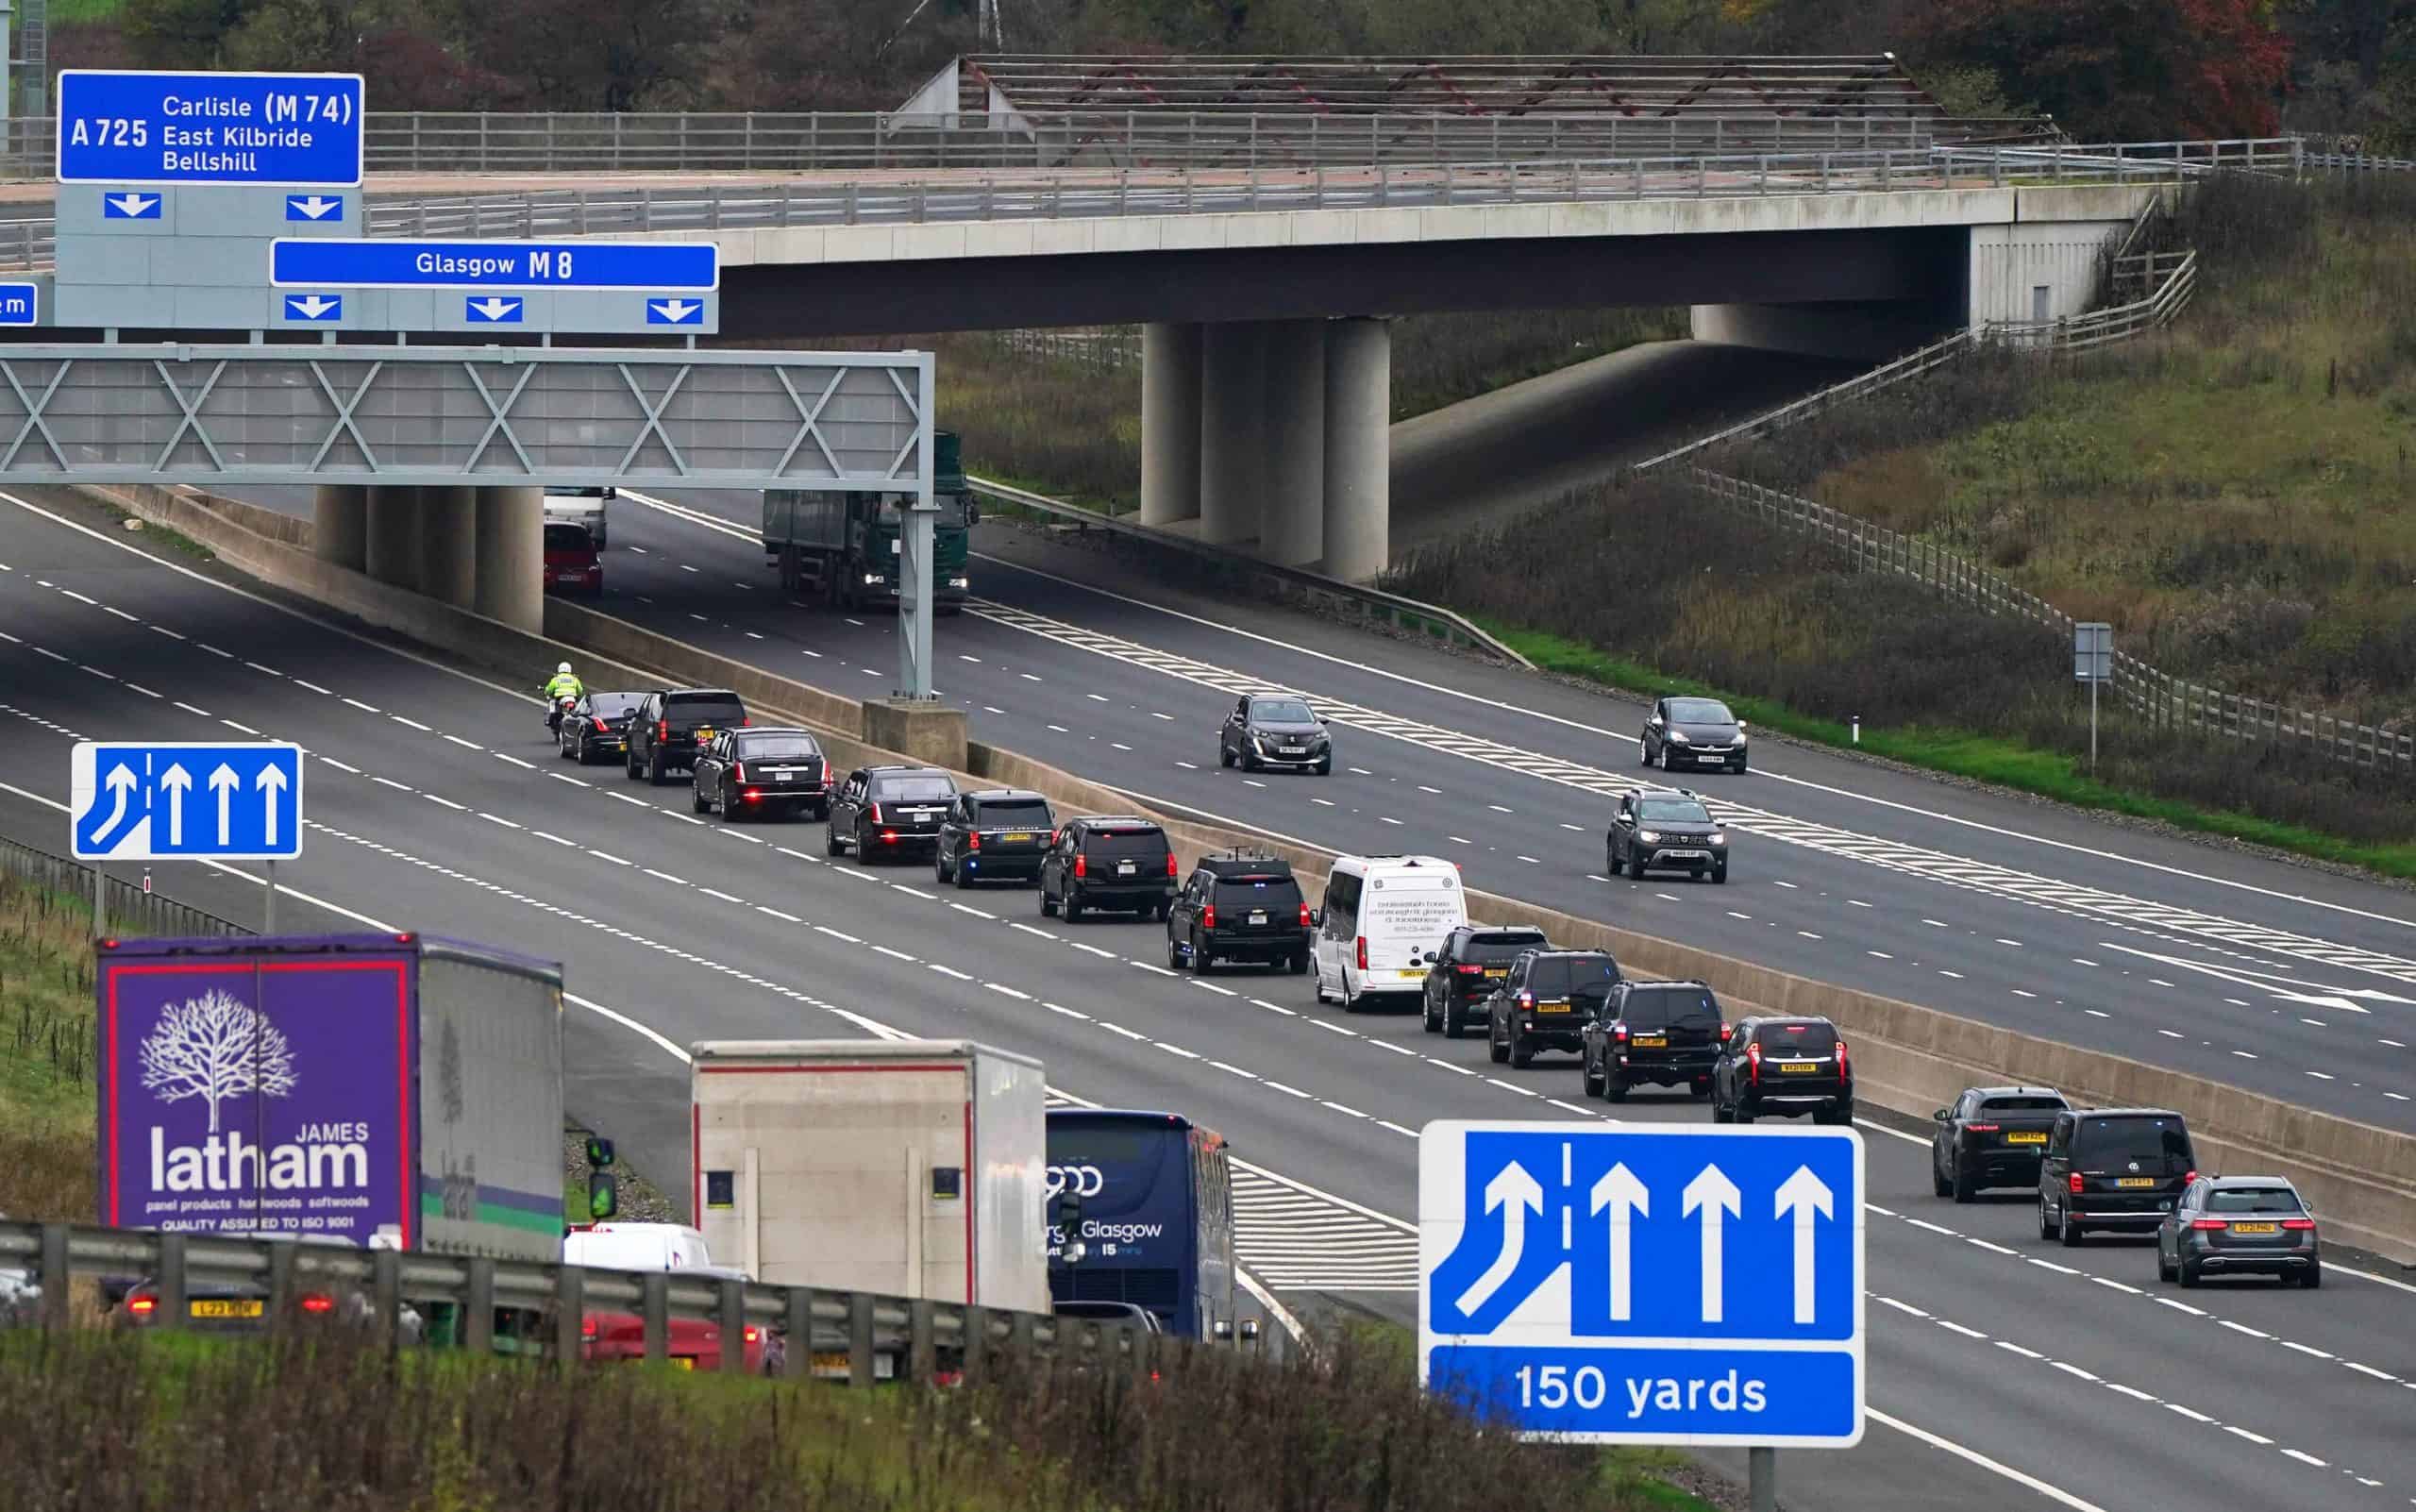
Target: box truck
[
  {"x": 906, "y": 1168},
  {"x": 840, "y": 548},
  {"x": 391, "y": 1089}
]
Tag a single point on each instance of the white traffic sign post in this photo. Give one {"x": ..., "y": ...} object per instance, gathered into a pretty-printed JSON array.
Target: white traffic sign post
[
  {"x": 1662, "y": 1284},
  {"x": 174, "y": 801},
  {"x": 2092, "y": 664}
]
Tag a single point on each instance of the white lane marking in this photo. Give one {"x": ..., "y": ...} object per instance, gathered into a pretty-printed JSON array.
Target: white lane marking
[
  {"x": 2244, "y": 1328},
  {"x": 505, "y": 756},
  {"x": 1059, "y": 1008},
  {"x": 467, "y": 745},
  {"x": 365, "y": 708},
  {"x": 967, "y": 908},
  {"x": 665, "y": 876},
  {"x": 2191, "y": 1413},
  {"x": 124, "y": 616},
  {"x": 414, "y": 723},
  {"x": 432, "y": 797},
  {"x": 146, "y": 692},
  {"x": 2256, "y": 1438},
  {"x": 1902, "y": 1306},
  {"x": 1953, "y": 1327},
  {"x": 163, "y": 629},
  {"x": 340, "y": 766},
  {"x": 236, "y": 725},
  {"x": 916, "y": 892},
  {"x": 2011, "y": 1348},
  {"x": 1005, "y": 991},
  {"x": 893, "y": 954},
  {"x": 845, "y": 938},
  {"x": 546, "y": 834},
  {"x": 270, "y": 670},
  {"x": 580, "y": 782},
  {"x": 608, "y": 856},
  {"x": 389, "y": 781},
  {"x": 513, "y": 824},
  {"x": 949, "y": 971},
  {"x": 716, "y": 892}
]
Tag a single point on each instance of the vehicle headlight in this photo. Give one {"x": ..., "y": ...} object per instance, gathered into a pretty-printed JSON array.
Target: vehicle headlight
[
  {"x": 1679, "y": 737},
  {"x": 1738, "y": 739},
  {"x": 1650, "y": 837},
  {"x": 959, "y": 582},
  {"x": 1720, "y": 837}
]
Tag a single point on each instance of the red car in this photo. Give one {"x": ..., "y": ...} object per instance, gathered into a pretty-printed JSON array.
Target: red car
[
  {"x": 573, "y": 565},
  {"x": 695, "y": 1344}
]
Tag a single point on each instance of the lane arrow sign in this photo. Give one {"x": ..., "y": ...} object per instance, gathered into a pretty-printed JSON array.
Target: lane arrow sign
[
  {"x": 313, "y": 306},
  {"x": 121, "y": 783},
  {"x": 176, "y": 782},
  {"x": 1624, "y": 1196},
  {"x": 674, "y": 312},
  {"x": 1516, "y": 1194},
  {"x": 223, "y": 782},
  {"x": 1804, "y": 1194},
  {"x": 310, "y": 206},
  {"x": 270, "y": 782},
  {"x": 1711, "y": 1193},
  {"x": 131, "y": 207},
  {"x": 496, "y": 308}
]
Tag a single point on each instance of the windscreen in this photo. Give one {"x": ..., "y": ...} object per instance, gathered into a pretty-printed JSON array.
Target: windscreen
[
  {"x": 1014, "y": 814},
  {"x": 779, "y": 748},
  {"x": 1671, "y": 1008},
  {"x": 1280, "y": 894},
  {"x": 1281, "y": 712},
  {"x": 1810, "y": 1041},
  {"x": 1700, "y": 711},
  {"x": 1566, "y": 976},
  {"x": 913, "y": 789},
  {"x": 614, "y": 705},
  {"x": 2022, "y": 1105},
  {"x": 1126, "y": 845},
  {"x": 1672, "y": 810},
  {"x": 578, "y": 492},
  {"x": 2157, "y": 1143},
  {"x": 1501, "y": 947},
  {"x": 2253, "y": 1199},
  {"x": 704, "y": 708},
  {"x": 568, "y": 538}
]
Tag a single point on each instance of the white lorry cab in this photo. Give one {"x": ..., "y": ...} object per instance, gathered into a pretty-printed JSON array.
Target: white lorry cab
[
  {"x": 578, "y": 505},
  {"x": 1384, "y": 921}
]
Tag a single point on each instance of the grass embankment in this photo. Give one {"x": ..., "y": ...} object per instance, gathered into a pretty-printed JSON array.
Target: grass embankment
[
  {"x": 317, "y": 1420},
  {"x": 47, "y": 1095}
]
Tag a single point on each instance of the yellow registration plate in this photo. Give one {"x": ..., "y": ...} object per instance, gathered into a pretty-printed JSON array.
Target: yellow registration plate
[
  {"x": 2256, "y": 1228},
  {"x": 1798, "y": 1067},
  {"x": 2025, "y": 1138},
  {"x": 1412, "y": 974},
  {"x": 1496, "y": 971},
  {"x": 1019, "y": 835},
  {"x": 1651, "y": 1041},
  {"x": 1552, "y": 1007},
  {"x": 226, "y": 1307},
  {"x": 2130, "y": 1182},
  {"x": 684, "y": 1361}
]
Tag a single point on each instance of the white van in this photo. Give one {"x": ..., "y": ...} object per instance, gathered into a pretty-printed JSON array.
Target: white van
[
  {"x": 579, "y": 506},
  {"x": 637, "y": 1247},
  {"x": 1385, "y": 919}
]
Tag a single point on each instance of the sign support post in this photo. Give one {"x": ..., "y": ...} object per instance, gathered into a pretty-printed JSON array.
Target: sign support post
[
  {"x": 1761, "y": 1471},
  {"x": 915, "y": 582},
  {"x": 2092, "y": 664},
  {"x": 268, "y": 924},
  {"x": 100, "y": 908}
]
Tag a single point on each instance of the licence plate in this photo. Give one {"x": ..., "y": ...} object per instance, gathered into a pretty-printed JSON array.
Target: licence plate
[
  {"x": 1552, "y": 1007},
  {"x": 2134, "y": 1182},
  {"x": 1496, "y": 971},
  {"x": 1651, "y": 1041},
  {"x": 2256, "y": 1228},
  {"x": 1019, "y": 835},
  {"x": 1685, "y": 855},
  {"x": 684, "y": 1361},
  {"x": 1710, "y": 761},
  {"x": 226, "y": 1307},
  {"x": 2030, "y": 1137},
  {"x": 1412, "y": 973},
  {"x": 1798, "y": 1067},
  {"x": 1124, "y": 868},
  {"x": 834, "y": 1362},
  {"x": 704, "y": 732},
  {"x": 1258, "y": 915}
]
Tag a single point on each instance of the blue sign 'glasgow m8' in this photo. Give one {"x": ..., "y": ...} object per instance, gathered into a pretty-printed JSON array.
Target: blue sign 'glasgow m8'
[
  {"x": 390, "y": 262},
  {"x": 273, "y": 130}
]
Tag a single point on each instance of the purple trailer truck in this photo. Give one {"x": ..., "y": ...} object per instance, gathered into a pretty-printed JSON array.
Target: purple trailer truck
[{"x": 394, "y": 1089}]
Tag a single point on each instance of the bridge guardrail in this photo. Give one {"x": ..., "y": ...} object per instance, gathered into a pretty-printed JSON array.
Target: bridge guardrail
[
  {"x": 130, "y": 909},
  {"x": 1396, "y": 610},
  {"x": 917, "y": 1333}
]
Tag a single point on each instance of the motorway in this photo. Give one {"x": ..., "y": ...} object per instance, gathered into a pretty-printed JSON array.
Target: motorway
[{"x": 2002, "y": 1373}]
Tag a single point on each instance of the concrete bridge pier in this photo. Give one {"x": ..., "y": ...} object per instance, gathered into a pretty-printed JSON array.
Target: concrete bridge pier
[
  {"x": 339, "y": 525},
  {"x": 445, "y": 555},
  {"x": 390, "y": 548},
  {"x": 508, "y": 582},
  {"x": 1171, "y": 422},
  {"x": 1358, "y": 449},
  {"x": 1233, "y": 430},
  {"x": 1291, "y": 513}
]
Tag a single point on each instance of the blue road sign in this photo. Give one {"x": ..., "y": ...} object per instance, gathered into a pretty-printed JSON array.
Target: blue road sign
[
  {"x": 176, "y": 800},
  {"x": 320, "y": 207},
  {"x": 1660, "y": 1283},
  {"x": 20, "y": 304},
  {"x": 387, "y": 262},
  {"x": 494, "y": 310},
  {"x": 322, "y": 309},
  {"x": 675, "y": 311},
  {"x": 273, "y": 130},
  {"x": 131, "y": 206}
]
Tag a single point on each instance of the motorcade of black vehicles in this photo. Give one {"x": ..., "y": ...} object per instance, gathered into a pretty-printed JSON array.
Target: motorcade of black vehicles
[
  {"x": 1275, "y": 730},
  {"x": 2240, "y": 1226},
  {"x": 596, "y": 726},
  {"x": 1113, "y": 864},
  {"x": 1993, "y": 1136},
  {"x": 995, "y": 834},
  {"x": 672, "y": 724},
  {"x": 1474, "y": 959},
  {"x": 1666, "y": 830},
  {"x": 1653, "y": 1034},
  {"x": 2113, "y": 1170},
  {"x": 1782, "y": 1068},
  {"x": 1239, "y": 906},
  {"x": 1544, "y": 1002},
  {"x": 1692, "y": 733},
  {"x": 760, "y": 772},
  {"x": 888, "y": 813}
]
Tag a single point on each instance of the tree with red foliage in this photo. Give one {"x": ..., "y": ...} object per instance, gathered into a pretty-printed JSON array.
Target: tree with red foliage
[{"x": 2124, "y": 70}]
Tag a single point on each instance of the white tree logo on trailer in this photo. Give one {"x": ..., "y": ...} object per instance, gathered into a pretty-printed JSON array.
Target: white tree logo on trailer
[{"x": 215, "y": 1046}]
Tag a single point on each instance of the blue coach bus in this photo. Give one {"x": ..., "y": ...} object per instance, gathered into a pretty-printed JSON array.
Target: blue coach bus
[{"x": 1154, "y": 1197}]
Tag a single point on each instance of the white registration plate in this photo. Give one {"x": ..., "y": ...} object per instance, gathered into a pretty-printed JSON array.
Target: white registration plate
[
  {"x": 1686, "y": 855},
  {"x": 1296, "y": 750},
  {"x": 1258, "y": 915},
  {"x": 1710, "y": 761},
  {"x": 1124, "y": 868}
]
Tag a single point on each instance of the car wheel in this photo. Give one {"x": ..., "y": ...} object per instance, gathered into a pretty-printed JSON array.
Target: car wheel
[
  {"x": 1434, "y": 1022},
  {"x": 1350, "y": 999},
  {"x": 939, "y": 869},
  {"x": 1048, "y": 904},
  {"x": 958, "y": 875},
  {"x": 1199, "y": 957},
  {"x": 1965, "y": 1187},
  {"x": 1636, "y": 867},
  {"x": 696, "y": 803},
  {"x": 1738, "y": 1114},
  {"x": 1737, "y": 767},
  {"x": 1249, "y": 763},
  {"x": 1614, "y": 1087},
  {"x": 822, "y": 813},
  {"x": 1594, "y": 1083},
  {"x": 2313, "y": 1276},
  {"x": 1522, "y": 1051},
  {"x": 1454, "y": 1027},
  {"x": 830, "y": 846},
  {"x": 2046, "y": 1221},
  {"x": 1325, "y": 767},
  {"x": 1497, "y": 1049},
  {"x": 1301, "y": 964},
  {"x": 1224, "y": 754},
  {"x": 1938, "y": 1185},
  {"x": 2068, "y": 1235},
  {"x": 1721, "y": 1113},
  {"x": 864, "y": 852},
  {"x": 630, "y": 763},
  {"x": 1073, "y": 906},
  {"x": 1719, "y": 874},
  {"x": 1644, "y": 751},
  {"x": 654, "y": 769},
  {"x": 559, "y": 749},
  {"x": 2164, "y": 1270},
  {"x": 1668, "y": 758},
  {"x": 1174, "y": 954},
  {"x": 2189, "y": 1274}
]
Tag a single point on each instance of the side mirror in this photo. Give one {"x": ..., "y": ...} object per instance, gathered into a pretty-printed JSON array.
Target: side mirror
[
  {"x": 599, "y": 1151},
  {"x": 1655, "y": 721},
  {"x": 1249, "y": 1325},
  {"x": 1316, "y": 918},
  {"x": 1741, "y": 724},
  {"x": 1224, "y": 1329},
  {"x": 1939, "y": 1116},
  {"x": 603, "y": 1196},
  {"x": 972, "y": 514}
]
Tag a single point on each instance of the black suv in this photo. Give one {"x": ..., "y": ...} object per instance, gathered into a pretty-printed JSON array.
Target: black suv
[
  {"x": 1239, "y": 907},
  {"x": 1667, "y": 1033},
  {"x": 996, "y": 834},
  {"x": 748, "y": 772},
  {"x": 1993, "y": 1136},
  {"x": 1782, "y": 1067},
  {"x": 888, "y": 811},
  {"x": 1681, "y": 734},
  {"x": 1475, "y": 960},
  {"x": 672, "y": 723},
  {"x": 596, "y": 726},
  {"x": 2113, "y": 1168},
  {"x": 1669, "y": 830},
  {"x": 1544, "y": 1002},
  {"x": 1117, "y": 862},
  {"x": 1274, "y": 729}
]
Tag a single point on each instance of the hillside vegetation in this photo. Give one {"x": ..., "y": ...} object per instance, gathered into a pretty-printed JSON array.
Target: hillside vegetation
[{"x": 46, "y": 1094}]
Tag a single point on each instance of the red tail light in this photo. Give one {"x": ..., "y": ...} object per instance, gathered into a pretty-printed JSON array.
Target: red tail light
[
  {"x": 2301, "y": 1223},
  {"x": 1082, "y": 864},
  {"x": 2074, "y": 1180},
  {"x": 602, "y": 725},
  {"x": 738, "y": 771},
  {"x": 745, "y": 720},
  {"x": 662, "y": 729},
  {"x": 1363, "y": 952},
  {"x": 973, "y": 841},
  {"x": 1981, "y": 1128},
  {"x": 142, "y": 1305},
  {"x": 1466, "y": 969},
  {"x": 318, "y": 1304},
  {"x": 1726, "y": 1030},
  {"x": 753, "y": 1333},
  {"x": 1620, "y": 1033},
  {"x": 2210, "y": 1223},
  {"x": 1305, "y": 916},
  {"x": 1753, "y": 1063},
  {"x": 587, "y": 1328},
  {"x": 1841, "y": 1058},
  {"x": 1170, "y": 871},
  {"x": 1526, "y": 1000},
  {"x": 2191, "y": 1177},
  {"x": 889, "y": 837},
  {"x": 754, "y": 794},
  {"x": 1208, "y": 917},
  {"x": 875, "y": 814}
]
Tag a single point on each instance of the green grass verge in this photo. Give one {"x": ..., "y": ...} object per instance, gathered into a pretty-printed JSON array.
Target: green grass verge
[
  {"x": 45, "y": 1053},
  {"x": 1960, "y": 753}
]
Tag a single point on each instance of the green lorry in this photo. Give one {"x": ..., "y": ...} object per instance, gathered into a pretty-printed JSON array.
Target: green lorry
[{"x": 841, "y": 548}]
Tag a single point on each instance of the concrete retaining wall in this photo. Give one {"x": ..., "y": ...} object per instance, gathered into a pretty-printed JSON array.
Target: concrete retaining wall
[{"x": 1911, "y": 1059}]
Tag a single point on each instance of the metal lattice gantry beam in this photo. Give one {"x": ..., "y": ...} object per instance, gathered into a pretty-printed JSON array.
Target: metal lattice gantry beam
[{"x": 433, "y": 416}]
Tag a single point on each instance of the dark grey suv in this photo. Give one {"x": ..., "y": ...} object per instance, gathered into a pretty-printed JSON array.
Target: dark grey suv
[
  {"x": 1665, "y": 829},
  {"x": 1274, "y": 729},
  {"x": 1682, "y": 735}
]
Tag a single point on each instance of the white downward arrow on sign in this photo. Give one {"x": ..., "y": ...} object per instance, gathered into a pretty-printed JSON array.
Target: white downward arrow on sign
[
  {"x": 1516, "y": 1194},
  {"x": 270, "y": 782},
  {"x": 677, "y": 309},
  {"x": 223, "y": 782},
  {"x": 1625, "y": 1197},
  {"x": 1711, "y": 1193},
  {"x": 133, "y": 204},
  {"x": 495, "y": 308},
  {"x": 176, "y": 782},
  {"x": 317, "y": 205},
  {"x": 311, "y": 307},
  {"x": 1802, "y": 1194}
]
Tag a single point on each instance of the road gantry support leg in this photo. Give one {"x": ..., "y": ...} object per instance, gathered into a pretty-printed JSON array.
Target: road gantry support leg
[
  {"x": 339, "y": 525},
  {"x": 1291, "y": 520},
  {"x": 390, "y": 548},
  {"x": 447, "y": 546},
  {"x": 509, "y": 575},
  {"x": 1358, "y": 455},
  {"x": 1232, "y": 432},
  {"x": 1170, "y": 373}
]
